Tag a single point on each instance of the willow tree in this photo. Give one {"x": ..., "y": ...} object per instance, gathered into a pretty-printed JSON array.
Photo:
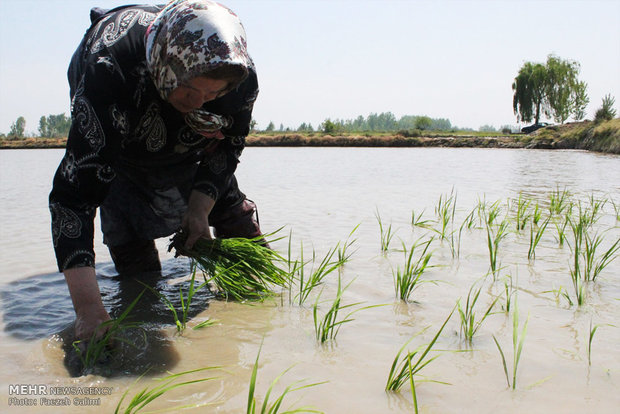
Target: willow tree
[
  {"x": 552, "y": 89},
  {"x": 581, "y": 100},
  {"x": 562, "y": 87},
  {"x": 530, "y": 92}
]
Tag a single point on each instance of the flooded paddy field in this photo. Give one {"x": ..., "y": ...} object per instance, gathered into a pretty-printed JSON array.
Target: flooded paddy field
[{"x": 462, "y": 205}]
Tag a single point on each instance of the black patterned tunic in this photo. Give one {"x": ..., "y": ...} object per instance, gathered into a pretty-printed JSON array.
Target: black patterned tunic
[{"x": 121, "y": 124}]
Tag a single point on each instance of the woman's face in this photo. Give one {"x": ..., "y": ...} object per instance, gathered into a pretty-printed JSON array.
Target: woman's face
[{"x": 193, "y": 94}]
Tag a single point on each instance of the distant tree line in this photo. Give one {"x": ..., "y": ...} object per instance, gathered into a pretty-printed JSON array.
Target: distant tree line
[
  {"x": 51, "y": 126},
  {"x": 54, "y": 126},
  {"x": 382, "y": 122}
]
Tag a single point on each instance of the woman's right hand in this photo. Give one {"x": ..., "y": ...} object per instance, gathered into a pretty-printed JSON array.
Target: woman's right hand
[
  {"x": 88, "y": 321},
  {"x": 89, "y": 310}
]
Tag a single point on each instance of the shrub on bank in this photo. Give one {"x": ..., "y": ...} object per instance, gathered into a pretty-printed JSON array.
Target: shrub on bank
[
  {"x": 410, "y": 133},
  {"x": 606, "y": 112}
]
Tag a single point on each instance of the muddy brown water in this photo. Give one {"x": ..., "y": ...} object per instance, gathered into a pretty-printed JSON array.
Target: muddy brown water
[{"x": 321, "y": 194}]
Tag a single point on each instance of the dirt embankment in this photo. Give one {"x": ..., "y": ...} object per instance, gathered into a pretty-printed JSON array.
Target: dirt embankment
[
  {"x": 601, "y": 137},
  {"x": 298, "y": 140},
  {"x": 28, "y": 143}
]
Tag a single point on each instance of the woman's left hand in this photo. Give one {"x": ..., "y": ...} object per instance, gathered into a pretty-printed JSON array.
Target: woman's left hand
[{"x": 196, "y": 219}]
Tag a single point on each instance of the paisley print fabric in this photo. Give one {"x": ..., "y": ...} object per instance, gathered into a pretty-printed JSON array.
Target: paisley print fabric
[
  {"x": 64, "y": 222},
  {"x": 119, "y": 120},
  {"x": 85, "y": 118},
  {"x": 152, "y": 129},
  {"x": 122, "y": 123},
  {"x": 114, "y": 29},
  {"x": 188, "y": 39}
]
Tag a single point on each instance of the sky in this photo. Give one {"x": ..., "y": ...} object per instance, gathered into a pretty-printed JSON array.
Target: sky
[{"x": 342, "y": 58}]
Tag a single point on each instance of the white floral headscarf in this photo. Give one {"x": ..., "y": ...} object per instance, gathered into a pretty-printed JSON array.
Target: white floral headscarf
[{"x": 188, "y": 39}]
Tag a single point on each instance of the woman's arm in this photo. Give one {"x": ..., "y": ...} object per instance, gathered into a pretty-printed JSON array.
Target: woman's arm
[
  {"x": 89, "y": 310},
  {"x": 80, "y": 185}
]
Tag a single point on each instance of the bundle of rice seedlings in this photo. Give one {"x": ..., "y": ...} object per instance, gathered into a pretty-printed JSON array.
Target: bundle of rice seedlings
[{"x": 239, "y": 268}]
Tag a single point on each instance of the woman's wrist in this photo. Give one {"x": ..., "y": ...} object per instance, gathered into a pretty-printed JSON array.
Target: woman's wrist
[{"x": 84, "y": 290}]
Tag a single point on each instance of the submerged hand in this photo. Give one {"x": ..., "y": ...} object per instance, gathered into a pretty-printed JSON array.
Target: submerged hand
[
  {"x": 196, "y": 219},
  {"x": 87, "y": 323}
]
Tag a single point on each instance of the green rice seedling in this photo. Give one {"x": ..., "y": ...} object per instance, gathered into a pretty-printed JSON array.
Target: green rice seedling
[
  {"x": 517, "y": 346},
  {"x": 445, "y": 211},
  {"x": 408, "y": 278},
  {"x": 417, "y": 221},
  {"x": 590, "y": 244},
  {"x": 239, "y": 268},
  {"x": 558, "y": 201},
  {"x": 579, "y": 229},
  {"x": 469, "y": 323},
  {"x": 481, "y": 209},
  {"x": 522, "y": 214},
  {"x": 537, "y": 214},
  {"x": 386, "y": 234},
  {"x": 292, "y": 266},
  {"x": 606, "y": 258},
  {"x": 469, "y": 221},
  {"x": 575, "y": 269},
  {"x": 186, "y": 300},
  {"x": 578, "y": 285},
  {"x": 455, "y": 243},
  {"x": 414, "y": 394},
  {"x": 327, "y": 327},
  {"x": 566, "y": 296},
  {"x": 535, "y": 237},
  {"x": 561, "y": 228},
  {"x": 274, "y": 407},
  {"x": 494, "y": 238},
  {"x": 593, "y": 265},
  {"x": 147, "y": 395},
  {"x": 590, "y": 338},
  {"x": 492, "y": 212},
  {"x": 509, "y": 291},
  {"x": 585, "y": 265},
  {"x": 296, "y": 268},
  {"x": 591, "y": 333},
  {"x": 403, "y": 369},
  {"x": 204, "y": 324},
  {"x": 596, "y": 208},
  {"x": 343, "y": 254},
  {"x": 308, "y": 282},
  {"x": 588, "y": 215},
  {"x": 560, "y": 292},
  {"x": 99, "y": 349}
]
